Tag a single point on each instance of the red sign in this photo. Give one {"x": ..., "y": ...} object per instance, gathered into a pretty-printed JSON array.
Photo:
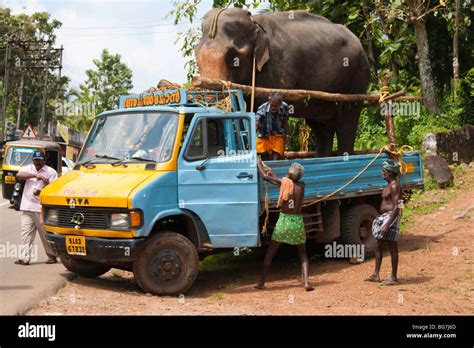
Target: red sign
[{"x": 29, "y": 133}]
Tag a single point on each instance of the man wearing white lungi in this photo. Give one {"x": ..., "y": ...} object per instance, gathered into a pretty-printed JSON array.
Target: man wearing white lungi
[{"x": 36, "y": 176}]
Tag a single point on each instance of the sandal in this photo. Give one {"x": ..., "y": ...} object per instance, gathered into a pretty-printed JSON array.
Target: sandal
[
  {"x": 390, "y": 282},
  {"x": 21, "y": 262}
]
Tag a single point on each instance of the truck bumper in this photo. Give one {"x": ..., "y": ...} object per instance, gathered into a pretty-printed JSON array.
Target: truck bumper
[{"x": 100, "y": 249}]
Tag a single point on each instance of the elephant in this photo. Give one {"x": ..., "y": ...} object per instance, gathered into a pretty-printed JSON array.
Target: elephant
[{"x": 292, "y": 50}]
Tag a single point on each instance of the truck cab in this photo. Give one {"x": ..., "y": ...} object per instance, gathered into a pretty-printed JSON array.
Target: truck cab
[{"x": 158, "y": 180}]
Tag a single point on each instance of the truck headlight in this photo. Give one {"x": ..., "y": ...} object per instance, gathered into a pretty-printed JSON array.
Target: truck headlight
[
  {"x": 52, "y": 215},
  {"x": 120, "y": 220}
]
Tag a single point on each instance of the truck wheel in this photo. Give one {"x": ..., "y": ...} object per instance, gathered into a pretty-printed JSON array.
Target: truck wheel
[
  {"x": 356, "y": 227},
  {"x": 85, "y": 268},
  {"x": 16, "y": 202},
  {"x": 167, "y": 265}
]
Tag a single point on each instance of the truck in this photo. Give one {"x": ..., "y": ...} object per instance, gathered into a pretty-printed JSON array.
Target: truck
[{"x": 170, "y": 177}]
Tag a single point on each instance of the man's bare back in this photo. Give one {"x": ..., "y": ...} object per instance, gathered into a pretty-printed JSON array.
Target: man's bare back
[{"x": 295, "y": 203}]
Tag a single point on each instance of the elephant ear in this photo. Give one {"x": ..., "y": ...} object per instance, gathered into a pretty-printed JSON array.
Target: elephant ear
[{"x": 261, "y": 51}]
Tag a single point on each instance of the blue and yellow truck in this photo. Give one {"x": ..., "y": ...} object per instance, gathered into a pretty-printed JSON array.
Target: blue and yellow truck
[{"x": 171, "y": 177}]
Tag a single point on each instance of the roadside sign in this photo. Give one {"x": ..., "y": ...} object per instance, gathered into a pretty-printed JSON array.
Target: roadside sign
[{"x": 29, "y": 133}]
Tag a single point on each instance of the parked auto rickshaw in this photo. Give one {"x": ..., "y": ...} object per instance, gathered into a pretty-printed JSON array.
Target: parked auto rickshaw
[{"x": 18, "y": 154}]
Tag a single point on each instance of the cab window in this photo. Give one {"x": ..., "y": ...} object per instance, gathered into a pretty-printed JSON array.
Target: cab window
[{"x": 219, "y": 138}]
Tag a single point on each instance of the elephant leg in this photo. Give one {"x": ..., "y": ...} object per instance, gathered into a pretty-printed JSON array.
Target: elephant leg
[
  {"x": 347, "y": 121},
  {"x": 324, "y": 133}
]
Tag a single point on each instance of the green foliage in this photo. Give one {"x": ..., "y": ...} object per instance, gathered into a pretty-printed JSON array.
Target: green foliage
[
  {"x": 371, "y": 130},
  {"x": 38, "y": 26},
  {"x": 412, "y": 129},
  {"x": 466, "y": 97},
  {"x": 110, "y": 79}
]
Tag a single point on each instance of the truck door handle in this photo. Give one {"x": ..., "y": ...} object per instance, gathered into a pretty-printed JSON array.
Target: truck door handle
[{"x": 244, "y": 175}]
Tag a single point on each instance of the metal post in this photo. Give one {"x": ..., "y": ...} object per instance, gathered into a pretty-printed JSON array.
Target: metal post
[
  {"x": 55, "y": 116},
  {"x": 20, "y": 100},
  {"x": 45, "y": 95},
  {"x": 3, "y": 116}
]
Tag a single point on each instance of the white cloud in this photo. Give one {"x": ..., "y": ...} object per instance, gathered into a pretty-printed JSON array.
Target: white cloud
[{"x": 149, "y": 51}]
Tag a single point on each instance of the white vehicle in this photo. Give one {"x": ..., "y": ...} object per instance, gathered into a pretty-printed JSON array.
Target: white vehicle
[{"x": 66, "y": 164}]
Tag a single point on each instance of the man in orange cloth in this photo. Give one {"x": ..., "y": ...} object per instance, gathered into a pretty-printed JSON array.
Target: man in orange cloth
[{"x": 272, "y": 128}]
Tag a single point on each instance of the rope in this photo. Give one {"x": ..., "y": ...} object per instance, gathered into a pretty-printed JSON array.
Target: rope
[
  {"x": 213, "y": 29},
  {"x": 303, "y": 136},
  {"x": 384, "y": 92},
  {"x": 252, "y": 100}
]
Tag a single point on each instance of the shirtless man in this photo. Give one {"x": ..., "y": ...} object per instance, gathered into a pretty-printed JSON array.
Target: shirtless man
[
  {"x": 290, "y": 226},
  {"x": 386, "y": 226}
]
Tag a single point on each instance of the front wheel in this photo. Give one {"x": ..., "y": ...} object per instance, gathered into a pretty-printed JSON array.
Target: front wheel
[
  {"x": 17, "y": 202},
  {"x": 167, "y": 265},
  {"x": 85, "y": 268}
]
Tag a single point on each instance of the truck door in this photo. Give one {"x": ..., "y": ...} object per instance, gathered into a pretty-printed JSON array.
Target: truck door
[{"x": 217, "y": 177}]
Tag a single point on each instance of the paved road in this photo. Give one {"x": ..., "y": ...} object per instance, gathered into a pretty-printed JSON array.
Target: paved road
[{"x": 22, "y": 287}]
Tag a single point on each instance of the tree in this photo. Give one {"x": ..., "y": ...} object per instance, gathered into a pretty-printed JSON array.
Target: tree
[
  {"x": 415, "y": 18},
  {"x": 110, "y": 79},
  {"x": 36, "y": 27}
]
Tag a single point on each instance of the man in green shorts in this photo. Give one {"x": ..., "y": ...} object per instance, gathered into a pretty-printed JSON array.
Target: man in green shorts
[{"x": 290, "y": 226}]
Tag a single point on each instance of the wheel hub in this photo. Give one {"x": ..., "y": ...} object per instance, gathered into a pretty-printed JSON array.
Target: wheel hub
[{"x": 167, "y": 265}]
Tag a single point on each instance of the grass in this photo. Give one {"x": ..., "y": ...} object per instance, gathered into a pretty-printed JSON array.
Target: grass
[
  {"x": 228, "y": 260},
  {"x": 218, "y": 296},
  {"x": 432, "y": 198},
  {"x": 229, "y": 285}
]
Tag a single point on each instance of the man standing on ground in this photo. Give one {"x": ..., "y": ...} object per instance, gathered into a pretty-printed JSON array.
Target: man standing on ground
[
  {"x": 386, "y": 227},
  {"x": 37, "y": 176},
  {"x": 290, "y": 226},
  {"x": 272, "y": 128}
]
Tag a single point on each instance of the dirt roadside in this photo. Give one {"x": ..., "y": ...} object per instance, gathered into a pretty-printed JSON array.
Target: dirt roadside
[{"x": 436, "y": 276}]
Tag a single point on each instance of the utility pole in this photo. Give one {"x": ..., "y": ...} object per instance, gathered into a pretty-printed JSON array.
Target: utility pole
[
  {"x": 3, "y": 116},
  {"x": 55, "y": 116},
  {"x": 20, "y": 99},
  {"x": 45, "y": 95}
]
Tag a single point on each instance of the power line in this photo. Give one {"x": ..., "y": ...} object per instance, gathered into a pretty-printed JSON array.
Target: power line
[{"x": 125, "y": 27}]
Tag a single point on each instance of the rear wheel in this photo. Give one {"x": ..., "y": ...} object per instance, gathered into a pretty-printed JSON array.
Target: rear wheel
[
  {"x": 356, "y": 227},
  {"x": 167, "y": 265},
  {"x": 85, "y": 268}
]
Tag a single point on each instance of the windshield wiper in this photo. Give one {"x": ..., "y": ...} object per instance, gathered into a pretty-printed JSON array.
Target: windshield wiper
[
  {"x": 121, "y": 162},
  {"x": 96, "y": 157},
  {"x": 143, "y": 159}
]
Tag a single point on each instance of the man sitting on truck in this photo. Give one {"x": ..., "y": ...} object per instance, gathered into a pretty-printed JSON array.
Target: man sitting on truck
[
  {"x": 386, "y": 226},
  {"x": 272, "y": 127},
  {"x": 290, "y": 226}
]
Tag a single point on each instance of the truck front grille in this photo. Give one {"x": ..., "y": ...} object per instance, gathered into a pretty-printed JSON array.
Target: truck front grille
[{"x": 93, "y": 219}]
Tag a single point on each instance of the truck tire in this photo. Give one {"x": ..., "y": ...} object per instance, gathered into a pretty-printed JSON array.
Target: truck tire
[
  {"x": 167, "y": 265},
  {"x": 356, "y": 227},
  {"x": 17, "y": 202},
  {"x": 85, "y": 268}
]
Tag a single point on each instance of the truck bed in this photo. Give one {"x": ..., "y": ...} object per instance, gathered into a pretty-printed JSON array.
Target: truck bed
[{"x": 324, "y": 175}]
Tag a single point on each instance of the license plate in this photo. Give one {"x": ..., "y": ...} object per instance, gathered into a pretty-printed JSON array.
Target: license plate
[
  {"x": 76, "y": 245},
  {"x": 9, "y": 179}
]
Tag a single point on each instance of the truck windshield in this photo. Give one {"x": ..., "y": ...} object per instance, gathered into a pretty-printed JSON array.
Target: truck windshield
[{"x": 130, "y": 137}]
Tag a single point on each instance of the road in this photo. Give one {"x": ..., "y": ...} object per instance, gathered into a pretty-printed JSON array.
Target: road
[{"x": 22, "y": 287}]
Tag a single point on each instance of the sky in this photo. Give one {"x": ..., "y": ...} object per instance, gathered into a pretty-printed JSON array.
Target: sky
[{"x": 135, "y": 29}]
